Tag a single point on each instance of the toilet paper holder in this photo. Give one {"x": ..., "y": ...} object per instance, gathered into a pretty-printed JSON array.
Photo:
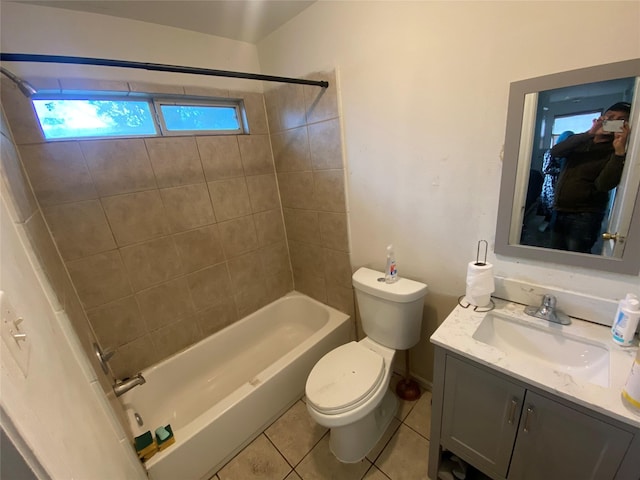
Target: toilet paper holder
[
  {"x": 486, "y": 248},
  {"x": 461, "y": 299}
]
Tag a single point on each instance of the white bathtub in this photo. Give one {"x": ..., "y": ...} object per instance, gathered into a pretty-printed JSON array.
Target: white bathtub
[{"x": 220, "y": 393}]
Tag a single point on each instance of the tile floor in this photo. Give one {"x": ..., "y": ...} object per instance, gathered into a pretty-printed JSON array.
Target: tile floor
[{"x": 294, "y": 447}]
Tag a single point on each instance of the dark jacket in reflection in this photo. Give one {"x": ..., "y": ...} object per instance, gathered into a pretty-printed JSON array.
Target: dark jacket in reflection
[{"x": 590, "y": 171}]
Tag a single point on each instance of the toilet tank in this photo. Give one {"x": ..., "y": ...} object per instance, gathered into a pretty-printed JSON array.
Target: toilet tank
[{"x": 391, "y": 313}]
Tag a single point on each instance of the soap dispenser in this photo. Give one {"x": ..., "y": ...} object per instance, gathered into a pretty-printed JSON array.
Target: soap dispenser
[{"x": 391, "y": 270}]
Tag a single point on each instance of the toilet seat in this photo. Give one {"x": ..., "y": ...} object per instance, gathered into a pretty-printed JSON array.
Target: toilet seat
[{"x": 344, "y": 378}]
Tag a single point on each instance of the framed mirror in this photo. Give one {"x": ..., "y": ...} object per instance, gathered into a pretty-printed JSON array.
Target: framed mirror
[{"x": 540, "y": 111}]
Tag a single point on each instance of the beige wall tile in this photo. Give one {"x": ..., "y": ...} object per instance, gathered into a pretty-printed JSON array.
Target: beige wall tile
[
  {"x": 175, "y": 337},
  {"x": 302, "y": 226},
  {"x": 136, "y": 217},
  {"x": 117, "y": 323},
  {"x": 291, "y": 150},
  {"x": 311, "y": 285},
  {"x": 329, "y": 190},
  {"x": 118, "y": 166},
  {"x": 134, "y": 356},
  {"x": 199, "y": 248},
  {"x": 58, "y": 172},
  {"x": 263, "y": 192},
  {"x": 147, "y": 87},
  {"x": 255, "y": 111},
  {"x": 238, "y": 236},
  {"x": 230, "y": 198},
  {"x": 246, "y": 270},
  {"x": 151, "y": 263},
  {"x": 165, "y": 303},
  {"x": 334, "y": 230},
  {"x": 69, "y": 85},
  {"x": 80, "y": 229},
  {"x": 337, "y": 267},
  {"x": 99, "y": 279},
  {"x": 175, "y": 161},
  {"x": 325, "y": 145},
  {"x": 278, "y": 285},
  {"x": 206, "y": 91},
  {"x": 255, "y": 152},
  {"x": 341, "y": 298},
  {"x": 14, "y": 180},
  {"x": 187, "y": 207},
  {"x": 45, "y": 250},
  {"x": 251, "y": 298},
  {"x": 20, "y": 114},
  {"x": 209, "y": 286},
  {"x": 4, "y": 125},
  {"x": 297, "y": 190},
  {"x": 285, "y": 107},
  {"x": 321, "y": 103},
  {"x": 275, "y": 259},
  {"x": 269, "y": 227},
  {"x": 220, "y": 157},
  {"x": 214, "y": 319},
  {"x": 306, "y": 259}
]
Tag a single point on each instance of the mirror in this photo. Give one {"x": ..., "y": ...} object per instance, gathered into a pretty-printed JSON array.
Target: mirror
[{"x": 539, "y": 110}]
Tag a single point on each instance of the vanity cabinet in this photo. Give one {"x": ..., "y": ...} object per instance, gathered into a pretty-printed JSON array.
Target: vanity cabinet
[{"x": 510, "y": 430}]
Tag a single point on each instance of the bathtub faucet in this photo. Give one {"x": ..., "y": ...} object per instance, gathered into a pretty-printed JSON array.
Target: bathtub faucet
[{"x": 122, "y": 387}]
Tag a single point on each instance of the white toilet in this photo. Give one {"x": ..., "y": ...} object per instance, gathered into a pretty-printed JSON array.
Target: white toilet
[{"x": 348, "y": 389}]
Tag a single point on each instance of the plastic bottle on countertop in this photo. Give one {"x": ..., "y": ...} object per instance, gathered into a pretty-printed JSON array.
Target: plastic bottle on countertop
[
  {"x": 631, "y": 389},
  {"x": 391, "y": 270},
  {"x": 626, "y": 320}
]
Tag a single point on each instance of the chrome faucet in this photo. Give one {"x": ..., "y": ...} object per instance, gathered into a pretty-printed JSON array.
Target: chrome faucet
[
  {"x": 123, "y": 386},
  {"x": 547, "y": 311}
]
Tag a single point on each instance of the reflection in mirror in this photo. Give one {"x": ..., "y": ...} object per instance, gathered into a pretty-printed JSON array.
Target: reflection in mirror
[
  {"x": 541, "y": 110},
  {"x": 559, "y": 114}
]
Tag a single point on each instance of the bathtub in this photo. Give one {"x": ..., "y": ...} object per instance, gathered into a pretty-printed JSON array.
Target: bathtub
[{"x": 222, "y": 392}]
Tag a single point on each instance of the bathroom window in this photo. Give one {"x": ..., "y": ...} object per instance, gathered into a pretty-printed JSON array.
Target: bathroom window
[
  {"x": 179, "y": 118},
  {"x": 92, "y": 117},
  {"x": 88, "y": 116}
]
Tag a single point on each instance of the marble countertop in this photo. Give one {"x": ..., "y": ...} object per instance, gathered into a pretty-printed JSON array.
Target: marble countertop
[{"x": 455, "y": 334}]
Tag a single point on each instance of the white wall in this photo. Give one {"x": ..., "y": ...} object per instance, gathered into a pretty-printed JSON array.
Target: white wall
[
  {"x": 54, "y": 31},
  {"x": 424, "y": 88}
]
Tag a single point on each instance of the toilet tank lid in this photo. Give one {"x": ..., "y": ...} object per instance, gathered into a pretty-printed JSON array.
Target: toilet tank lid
[{"x": 402, "y": 291}]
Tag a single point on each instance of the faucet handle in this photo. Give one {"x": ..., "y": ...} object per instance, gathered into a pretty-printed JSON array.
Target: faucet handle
[{"x": 549, "y": 301}]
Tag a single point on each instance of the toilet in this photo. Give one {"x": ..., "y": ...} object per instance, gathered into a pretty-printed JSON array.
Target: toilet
[{"x": 348, "y": 389}]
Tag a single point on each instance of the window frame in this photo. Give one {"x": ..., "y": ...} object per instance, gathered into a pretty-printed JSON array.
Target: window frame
[
  {"x": 154, "y": 102},
  {"x": 192, "y": 101}
]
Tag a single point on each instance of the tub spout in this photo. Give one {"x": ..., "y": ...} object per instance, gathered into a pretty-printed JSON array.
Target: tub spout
[{"x": 122, "y": 387}]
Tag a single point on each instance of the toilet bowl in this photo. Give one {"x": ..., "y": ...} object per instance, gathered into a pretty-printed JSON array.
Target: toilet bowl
[
  {"x": 348, "y": 389},
  {"x": 348, "y": 392}
]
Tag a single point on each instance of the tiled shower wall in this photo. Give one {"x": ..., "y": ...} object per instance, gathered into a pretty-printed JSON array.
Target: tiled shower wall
[
  {"x": 167, "y": 240},
  {"x": 304, "y": 122}
]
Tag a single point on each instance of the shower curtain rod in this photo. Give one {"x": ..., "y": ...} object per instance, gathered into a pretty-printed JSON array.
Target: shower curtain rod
[{"x": 159, "y": 67}]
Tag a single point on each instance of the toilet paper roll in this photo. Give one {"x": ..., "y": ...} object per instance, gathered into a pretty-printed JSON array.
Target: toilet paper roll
[{"x": 480, "y": 284}]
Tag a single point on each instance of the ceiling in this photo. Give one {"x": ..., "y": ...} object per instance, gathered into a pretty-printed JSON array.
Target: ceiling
[{"x": 243, "y": 20}]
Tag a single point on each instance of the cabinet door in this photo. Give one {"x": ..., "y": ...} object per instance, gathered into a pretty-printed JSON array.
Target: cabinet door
[
  {"x": 480, "y": 416},
  {"x": 556, "y": 442}
]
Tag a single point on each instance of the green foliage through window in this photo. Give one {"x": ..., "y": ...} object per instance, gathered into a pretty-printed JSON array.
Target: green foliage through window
[{"x": 66, "y": 118}]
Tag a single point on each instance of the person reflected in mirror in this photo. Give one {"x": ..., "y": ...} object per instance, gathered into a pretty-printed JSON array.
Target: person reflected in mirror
[
  {"x": 593, "y": 166},
  {"x": 551, "y": 167}
]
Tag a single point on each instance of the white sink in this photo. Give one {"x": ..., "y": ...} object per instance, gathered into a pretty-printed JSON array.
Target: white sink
[{"x": 546, "y": 346}]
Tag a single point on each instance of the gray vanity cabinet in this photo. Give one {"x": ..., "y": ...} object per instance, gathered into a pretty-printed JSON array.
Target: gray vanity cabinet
[
  {"x": 510, "y": 430},
  {"x": 480, "y": 416}
]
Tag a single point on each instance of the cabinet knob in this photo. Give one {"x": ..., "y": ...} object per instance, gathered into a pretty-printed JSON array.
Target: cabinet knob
[{"x": 528, "y": 415}]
